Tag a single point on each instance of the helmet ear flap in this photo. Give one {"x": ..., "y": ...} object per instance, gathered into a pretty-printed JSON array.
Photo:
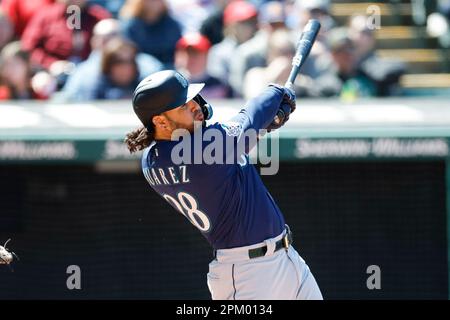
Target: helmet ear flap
[
  {"x": 207, "y": 111},
  {"x": 205, "y": 106}
]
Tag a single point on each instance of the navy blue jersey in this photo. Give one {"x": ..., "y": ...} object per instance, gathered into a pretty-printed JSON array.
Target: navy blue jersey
[{"x": 226, "y": 201}]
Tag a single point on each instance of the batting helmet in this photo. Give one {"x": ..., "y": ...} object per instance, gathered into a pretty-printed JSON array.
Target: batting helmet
[{"x": 163, "y": 91}]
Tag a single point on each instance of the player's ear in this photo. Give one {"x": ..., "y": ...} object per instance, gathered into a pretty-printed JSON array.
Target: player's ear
[
  {"x": 193, "y": 106},
  {"x": 160, "y": 122}
]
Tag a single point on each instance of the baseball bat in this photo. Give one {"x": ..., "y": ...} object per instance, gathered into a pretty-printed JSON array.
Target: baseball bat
[{"x": 304, "y": 45}]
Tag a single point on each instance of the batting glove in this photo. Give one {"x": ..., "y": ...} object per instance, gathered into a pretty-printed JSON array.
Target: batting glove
[{"x": 287, "y": 106}]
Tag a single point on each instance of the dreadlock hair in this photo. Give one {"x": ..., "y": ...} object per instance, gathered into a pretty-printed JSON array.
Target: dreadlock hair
[{"x": 139, "y": 139}]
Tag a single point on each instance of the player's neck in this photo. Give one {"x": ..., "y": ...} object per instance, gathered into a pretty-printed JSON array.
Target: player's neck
[{"x": 162, "y": 135}]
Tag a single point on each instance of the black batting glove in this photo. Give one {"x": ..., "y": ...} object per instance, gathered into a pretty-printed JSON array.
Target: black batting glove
[
  {"x": 287, "y": 106},
  {"x": 289, "y": 98}
]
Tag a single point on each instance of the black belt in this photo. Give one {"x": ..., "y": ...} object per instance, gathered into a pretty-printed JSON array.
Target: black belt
[{"x": 283, "y": 243}]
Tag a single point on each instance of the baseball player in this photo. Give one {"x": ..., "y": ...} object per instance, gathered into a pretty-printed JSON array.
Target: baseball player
[{"x": 226, "y": 201}]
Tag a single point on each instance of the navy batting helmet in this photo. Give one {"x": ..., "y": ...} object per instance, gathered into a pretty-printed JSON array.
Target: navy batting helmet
[{"x": 163, "y": 91}]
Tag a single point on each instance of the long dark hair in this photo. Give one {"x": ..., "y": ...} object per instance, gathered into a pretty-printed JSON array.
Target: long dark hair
[{"x": 139, "y": 139}]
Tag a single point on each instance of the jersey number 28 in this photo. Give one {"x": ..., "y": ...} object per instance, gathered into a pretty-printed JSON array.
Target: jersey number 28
[{"x": 188, "y": 206}]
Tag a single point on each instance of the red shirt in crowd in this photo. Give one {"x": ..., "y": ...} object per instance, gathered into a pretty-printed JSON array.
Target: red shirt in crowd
[
  {"x": 20, "y": 12},
  {"x": 48, "y": 37}
]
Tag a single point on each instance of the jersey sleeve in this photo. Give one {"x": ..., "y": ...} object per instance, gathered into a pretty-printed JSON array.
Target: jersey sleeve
[
  {"x": 244, "y": 127},
  {"x": 261, "y": 110}
]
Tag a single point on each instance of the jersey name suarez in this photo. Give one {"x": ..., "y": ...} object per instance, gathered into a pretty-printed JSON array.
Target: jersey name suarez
[{"x": 166, "y": 176}]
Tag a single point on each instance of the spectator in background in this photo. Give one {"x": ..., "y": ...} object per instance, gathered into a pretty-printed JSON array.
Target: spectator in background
[
  {"x": 16, "y": 74},
  {"x": 312, "y": 9},
  {"x": 20, "y": 12},
  {"x": 300, "y": 13},
  {"x": 150, "y": 26},
  {"x": 319, "y": 10},
  {"x": 6, "y": 30},
  {"x": 212, "y": 27},
  {"x": 191, "y": 58},
  {"x": 240, "y": 21},
  {"x": 362, "y": 37},
  {"x": 190, "y": 13},
  {"x": 119, "y": 71},
  {"x": 438, "y": 25},
  {"x": 80, "y": 84},
  {"x": 342, "y": 75},
  {"x": 253, "y": 53},
  {"x": 385, "y": 72},
  {"x": 49, "y": 39},
  {"x": 280, "y": 51},
  {"x": 113, "y": 6}
]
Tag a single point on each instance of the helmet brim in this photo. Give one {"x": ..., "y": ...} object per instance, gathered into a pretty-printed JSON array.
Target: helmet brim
[{"x": 193, "y": 90}]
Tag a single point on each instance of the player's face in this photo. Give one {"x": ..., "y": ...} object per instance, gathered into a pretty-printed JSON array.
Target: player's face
[{"x": 186, "y": 116}]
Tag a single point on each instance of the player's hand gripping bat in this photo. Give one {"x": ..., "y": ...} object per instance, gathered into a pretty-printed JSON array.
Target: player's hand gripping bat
[{"x": 302, "y": 51}]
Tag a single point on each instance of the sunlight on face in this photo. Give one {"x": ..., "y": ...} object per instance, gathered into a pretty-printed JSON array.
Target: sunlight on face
[{"x": 188, "y": 116}]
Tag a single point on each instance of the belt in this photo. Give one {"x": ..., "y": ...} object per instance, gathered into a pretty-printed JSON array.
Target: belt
[
  {"x": 280, "y": 244},
  {"x": 284, "y": 242}
]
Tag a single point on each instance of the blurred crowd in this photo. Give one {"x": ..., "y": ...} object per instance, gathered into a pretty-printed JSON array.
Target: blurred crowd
[
  {"x": 79, "y": 50},
  {"x": 436, "y": 13}
]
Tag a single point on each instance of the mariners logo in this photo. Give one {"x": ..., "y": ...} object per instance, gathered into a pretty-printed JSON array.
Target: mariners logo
[{"x": 232, "y": 128}]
